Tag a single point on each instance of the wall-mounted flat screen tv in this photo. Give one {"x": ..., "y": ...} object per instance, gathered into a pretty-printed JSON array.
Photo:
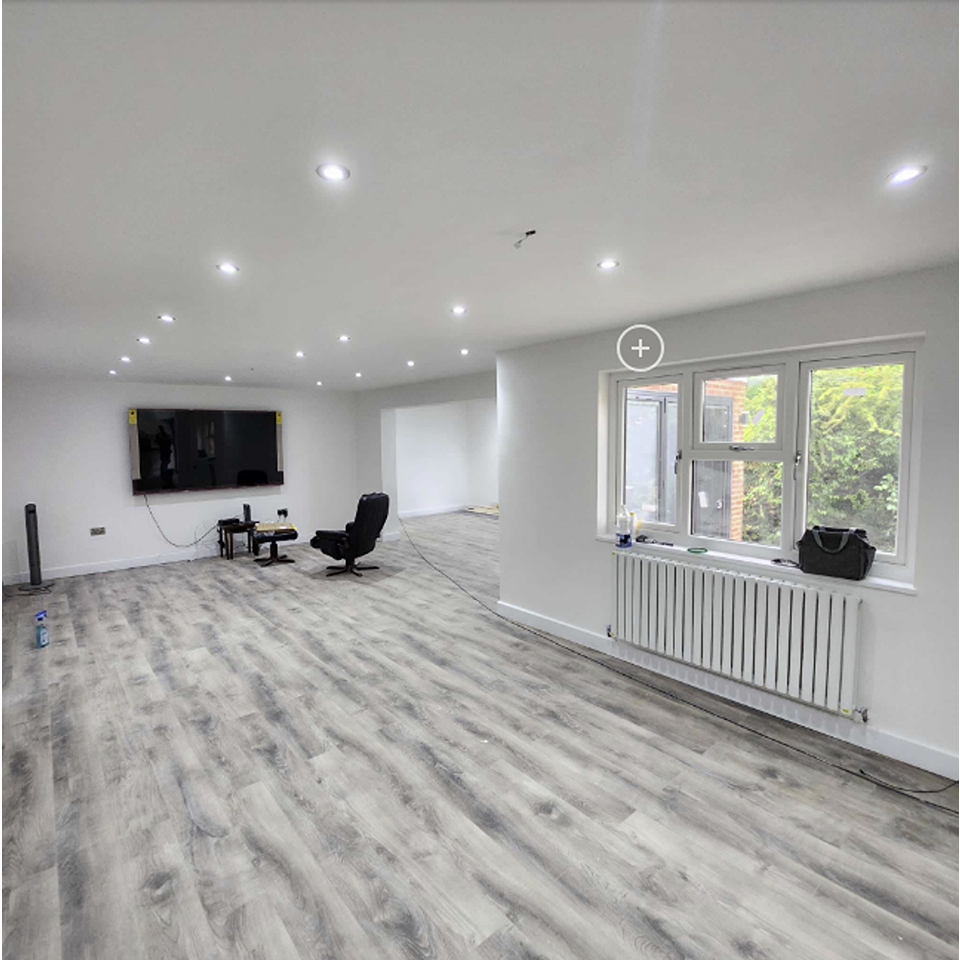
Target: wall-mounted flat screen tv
[{"x": 205, "y": 449}]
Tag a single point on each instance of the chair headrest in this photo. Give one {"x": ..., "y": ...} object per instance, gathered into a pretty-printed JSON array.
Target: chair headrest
[{"x": 372, "y": 512}]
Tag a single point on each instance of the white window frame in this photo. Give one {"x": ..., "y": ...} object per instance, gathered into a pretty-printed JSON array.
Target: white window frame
[
  {"x": 790, "y": 449},
  {"x": 803, "y": 440}
]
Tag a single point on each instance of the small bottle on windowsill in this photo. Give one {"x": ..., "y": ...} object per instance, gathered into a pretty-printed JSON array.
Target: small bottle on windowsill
[{"x": 623, "y": 527}]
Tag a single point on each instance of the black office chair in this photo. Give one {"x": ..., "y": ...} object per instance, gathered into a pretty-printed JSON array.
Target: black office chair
[{"x": 359, "y": 537}]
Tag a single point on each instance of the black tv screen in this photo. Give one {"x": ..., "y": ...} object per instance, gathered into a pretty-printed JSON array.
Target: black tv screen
[{"x": 205, "y": 449}]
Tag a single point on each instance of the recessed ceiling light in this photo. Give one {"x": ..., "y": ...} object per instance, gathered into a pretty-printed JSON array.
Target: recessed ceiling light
[
  {"x": 459, "y": 310},
  {"x": 113, "y": 373},
  {"x": 333, "y": 172},
  {"x": 166, "y": 318},
  {"x": 299, "y": 354},
  {"x": 409, "y": 363},
  {"x": 464, "y": 352},
  {"x": 906, "y": 174},
  {"x": 319, "y": 383},
  {"x": 608, "y": 264},
  {"x": 144, "y": 340},
  {"x": 124, "y": 359},
  {"x": 343, "y": 338},
  {"x": 228, "y": 379},
  {"x": 358, "y": 374},
  {"x": 228, "y": 268}
]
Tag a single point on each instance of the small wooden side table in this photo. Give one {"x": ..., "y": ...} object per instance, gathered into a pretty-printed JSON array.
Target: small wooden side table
[{"x": 227, "y": 533}]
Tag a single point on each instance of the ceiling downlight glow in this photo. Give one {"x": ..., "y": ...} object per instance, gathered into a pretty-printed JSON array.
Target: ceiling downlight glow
[
  {"x": 319, "y": 383},
  {"x": 464, "y": 352},
  {"x": 409, "y": 363},
  {"x": 228, "y": 379},
  {"x": 228, "y": 268},
  {"x": 166, "y": 317},
  {"x": 113, "y": 373},
  {"x": 333, "y": 172},
  {"x": 343, "y": 338},
  {"x": 299, "y": 354},
  {"x": 459, "y": 310},
  {"x": 608, "y": 264},
  {"x": 124, "y": 359},
  {"x": 144, "y": 340},
  {"x": 905, "y": 175},
  {"x": 358, "y": 374}
]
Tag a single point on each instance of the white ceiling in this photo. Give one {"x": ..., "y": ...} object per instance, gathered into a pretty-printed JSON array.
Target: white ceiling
[{"x": 720, "y": 151}]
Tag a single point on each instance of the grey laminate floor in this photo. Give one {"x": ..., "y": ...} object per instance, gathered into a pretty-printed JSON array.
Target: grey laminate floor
[{"x": 215, "y": 760}]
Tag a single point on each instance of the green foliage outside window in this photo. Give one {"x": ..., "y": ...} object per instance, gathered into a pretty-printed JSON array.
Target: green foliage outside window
[
  {"x": 854, "y": 454},
  {"x": 856, "y": 419},
  {"x": 762, "y": 482}
]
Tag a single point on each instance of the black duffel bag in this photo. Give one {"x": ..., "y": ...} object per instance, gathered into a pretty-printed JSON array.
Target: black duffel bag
[{"x": 836, "y": 552}]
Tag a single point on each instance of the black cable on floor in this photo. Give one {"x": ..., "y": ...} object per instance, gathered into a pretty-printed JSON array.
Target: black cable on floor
[
  {"x": 893, "y": 786},
  {"x": 165, "y": 537},
  {"x": 859, "y": 774}
]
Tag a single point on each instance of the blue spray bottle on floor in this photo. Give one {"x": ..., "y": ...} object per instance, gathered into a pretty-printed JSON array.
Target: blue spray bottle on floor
[{"x": 43, "y": 635}]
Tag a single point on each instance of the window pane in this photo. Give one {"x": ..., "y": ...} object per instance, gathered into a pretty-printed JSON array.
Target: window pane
[
  {"x": 650, "y": 448},
  {"x": 740, "y": 409},
  {"x": 738, "y": 500},
  {"x": 853, "y": 471}
]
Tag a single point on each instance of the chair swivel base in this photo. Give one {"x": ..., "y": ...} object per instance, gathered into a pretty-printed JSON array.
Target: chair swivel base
[
  {"x": 349, "y": 567},
  {"x": 274, "y": 557}
]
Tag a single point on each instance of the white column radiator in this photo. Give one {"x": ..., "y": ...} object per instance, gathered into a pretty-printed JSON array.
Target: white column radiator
[{"x": 796, "y": 641}]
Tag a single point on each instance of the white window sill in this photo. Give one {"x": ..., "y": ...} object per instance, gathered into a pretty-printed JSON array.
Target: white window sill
[{"x": 764, "y": 568}]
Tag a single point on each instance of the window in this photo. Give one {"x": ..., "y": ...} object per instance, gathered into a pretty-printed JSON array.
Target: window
[
  {"x": 738, "y": 500},
  {"x": 773, "y": 450},
  {"x": 648, "y": 474},
  {"x": 739, "y": 409},
  {"x": 855, "y": 417}
]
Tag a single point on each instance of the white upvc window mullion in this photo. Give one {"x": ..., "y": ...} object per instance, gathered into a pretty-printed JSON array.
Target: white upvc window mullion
[{"x": 792, "y": 455}]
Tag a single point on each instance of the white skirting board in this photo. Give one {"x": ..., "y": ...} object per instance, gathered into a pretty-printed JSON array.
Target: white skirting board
[
  {"x": 430, "y": 511},
  {"x": 103, "y": 566},
  {"x": 889, "y": 744}
]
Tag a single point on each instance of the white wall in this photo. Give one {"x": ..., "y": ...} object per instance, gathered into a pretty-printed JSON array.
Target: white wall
[
  {"x": 432, "y": 459},
  {"x": 65, "y": 449},
  {"x": 548, "y": 416},
  {"x": 376, "y": 427},
  {"x": 482, "y": 454},
  {"x": 446, "y": 456}
]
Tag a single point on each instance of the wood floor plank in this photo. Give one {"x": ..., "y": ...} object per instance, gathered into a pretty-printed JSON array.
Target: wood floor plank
[
  {"x": 167, "y": 911},
  {"x": 717, "y": 876},
  {"x": 29, "y": 818},
  {"x": 256, "y": 932},
  {"x": 303, "y": 893},
  {"x": 436, "y": 867},
  {"x": 32, "y": 928},
  {"x": 766, "y": 847}
]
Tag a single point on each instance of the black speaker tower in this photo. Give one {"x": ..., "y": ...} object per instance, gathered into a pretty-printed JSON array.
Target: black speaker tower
[{"x": 33, "y": 548}]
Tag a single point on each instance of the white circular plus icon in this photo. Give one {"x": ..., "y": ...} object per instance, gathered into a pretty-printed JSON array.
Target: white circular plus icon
[{"x": 634, "y": 348}]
